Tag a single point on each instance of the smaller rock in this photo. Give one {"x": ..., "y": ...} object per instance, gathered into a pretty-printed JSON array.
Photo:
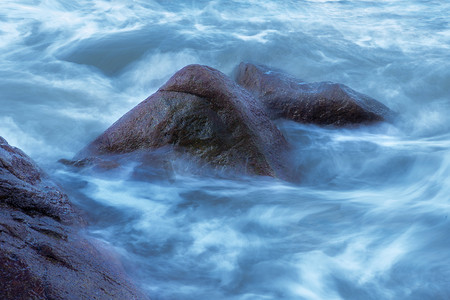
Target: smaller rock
[{"x": 321, "y": 103}]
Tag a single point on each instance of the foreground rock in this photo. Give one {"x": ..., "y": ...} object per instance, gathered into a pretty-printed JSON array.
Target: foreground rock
[
  {"x": 203, "y": 113},
  {"x": 42, "y": 254},
  {"x": 322, "y": 103}
]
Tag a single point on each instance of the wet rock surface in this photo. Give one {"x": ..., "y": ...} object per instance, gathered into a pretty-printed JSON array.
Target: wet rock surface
[
  {"x": 202, "y": 113},
  {"x": 321, "y": 103},
  {"x": 24, "y": 186},
  {"x": 43, "y": 255}
]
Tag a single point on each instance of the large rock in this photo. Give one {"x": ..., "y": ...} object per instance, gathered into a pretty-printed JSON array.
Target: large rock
[
  {"x": 322, "y": 103},
  {"x": 202, "y": 112},
  {"x": 42, "y": 252}
]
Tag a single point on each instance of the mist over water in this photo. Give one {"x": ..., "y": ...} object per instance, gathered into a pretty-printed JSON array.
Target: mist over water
[{"x": 369, "y": 216}]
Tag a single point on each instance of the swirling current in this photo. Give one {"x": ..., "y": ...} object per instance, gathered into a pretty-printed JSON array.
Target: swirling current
[{"x": 368, "y": 218}]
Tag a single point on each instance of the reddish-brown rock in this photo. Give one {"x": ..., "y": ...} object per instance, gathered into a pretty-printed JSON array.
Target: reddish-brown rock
[
  {"x": 42, "y": 252},
  {"x": 322, "y": 103},
  {"x": 202, "y": 112}
]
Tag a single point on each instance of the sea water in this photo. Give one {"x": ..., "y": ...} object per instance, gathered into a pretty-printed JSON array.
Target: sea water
[{"x": 368, "y": 218}]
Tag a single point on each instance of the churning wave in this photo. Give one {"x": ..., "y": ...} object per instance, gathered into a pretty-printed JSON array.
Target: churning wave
[{"x": 369, "y": 218}]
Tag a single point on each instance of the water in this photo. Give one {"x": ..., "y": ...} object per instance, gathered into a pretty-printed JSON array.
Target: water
[{"x": 369, "y": 219}]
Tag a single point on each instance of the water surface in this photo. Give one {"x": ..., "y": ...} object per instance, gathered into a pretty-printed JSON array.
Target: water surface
[{"x": 369, "y": 218}]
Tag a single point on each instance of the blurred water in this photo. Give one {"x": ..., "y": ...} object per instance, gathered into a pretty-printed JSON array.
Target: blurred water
[{"x": 369, "y": 219}]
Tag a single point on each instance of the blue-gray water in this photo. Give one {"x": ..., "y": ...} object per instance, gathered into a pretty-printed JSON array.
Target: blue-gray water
[{"x": 369, "y": 219}]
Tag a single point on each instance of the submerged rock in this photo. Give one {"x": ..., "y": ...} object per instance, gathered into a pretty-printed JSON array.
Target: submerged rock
[
  {"x": 203, "y": 113},
  {"x": 322, "y": 103},
  {"x": 42, "y": 253}
]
